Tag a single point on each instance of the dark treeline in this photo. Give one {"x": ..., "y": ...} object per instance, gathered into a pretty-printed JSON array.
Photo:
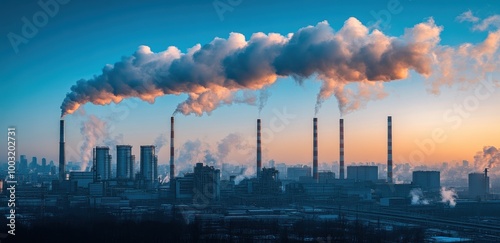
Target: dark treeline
[{"x": 78, "y": 228}]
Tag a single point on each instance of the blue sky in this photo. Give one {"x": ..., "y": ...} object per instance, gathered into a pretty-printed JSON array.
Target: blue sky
[{"x": 85, "y": 35}]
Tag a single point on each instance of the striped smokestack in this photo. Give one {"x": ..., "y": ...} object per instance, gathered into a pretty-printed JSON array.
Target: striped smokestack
[
  {"x": 62, "y": 156},
  {"x": 389, "y": 149},
  {"x": 341, "y": 149},
  {"x": 315, "y": 149},
  {"x": 259, "y": 149},
  {"x": 172, "y": 165}
]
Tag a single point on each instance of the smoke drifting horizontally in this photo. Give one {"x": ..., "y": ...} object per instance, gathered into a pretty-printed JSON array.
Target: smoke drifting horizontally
[{"x": 223, "y": 71}]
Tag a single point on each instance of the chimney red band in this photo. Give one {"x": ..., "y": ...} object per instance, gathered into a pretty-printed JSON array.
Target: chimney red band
[
  {"x": 62, "y": 152},
  {"x": 315, "y": 149},
  {"x": 259, "y": 148},
  {"x": 389, "y": 149},
  {"x": 341, "y": 150},
  {"x": 172, "y": 165}
]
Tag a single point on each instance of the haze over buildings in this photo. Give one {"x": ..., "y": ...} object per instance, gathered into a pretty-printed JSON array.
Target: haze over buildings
[{"x": 253, "y": 120}]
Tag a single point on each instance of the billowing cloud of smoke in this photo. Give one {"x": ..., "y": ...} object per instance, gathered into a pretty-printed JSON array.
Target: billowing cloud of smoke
[
  {"x": 488, "y": 158},
  {"x": 195, "y": 151},
  {"x": 449, "y": 196},
  {"x": 216, "y": 73},
  {"x": 232, "y": 142},
  {"x": 96, "y": 132},
  {"x": 210, "y": 100},
  {"x": 190, "y": 153},
  {"x": 160, "y": 141},
  {"x": 417, "y": 197}
]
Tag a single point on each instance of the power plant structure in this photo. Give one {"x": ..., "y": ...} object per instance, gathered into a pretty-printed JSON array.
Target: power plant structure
[
  {"x": 341, "y": 149},
  {"x": 259, "y": 148},
  {"x": 62, "y": 152},
  {"x": 427, "y": 180},
  {"x": 124, "y": 162},
  {"x": 102, "y": 162},
  {"x": 479, "y": 185},
  {"x": 362, "y": 173},
  {"x": 128, "y": 194},
  {"x": 389, "y": 149},
  {"x": 148, "y": 171},
  {"x": 315, "y": 149},
  {"x": 172, "y": 149},
  {"x": 149, "y": 165}
]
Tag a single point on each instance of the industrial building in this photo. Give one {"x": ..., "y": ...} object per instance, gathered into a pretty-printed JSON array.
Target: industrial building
[
  {"x": 124, "y": 162},
  {"x": 295, "y": 172},
  {"x": 479, "y": 185},
  {"x": 207, "y": 181},
  {"x": 362, "y": 173},
  {"x": 81, "y": 178},
  {"x": 149, "y": 167},
  {"x": 427, "y": 180},
  {"x": 137, "y": 192},
  {"x": 102, "y": 163},
  {"x": 201, "y": 185}
]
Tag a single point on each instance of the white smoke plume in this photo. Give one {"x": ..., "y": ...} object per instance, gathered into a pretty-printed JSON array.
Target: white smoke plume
[
  {"x": 449, "y": 196},
  {"x": 401, "y": 173},
  {"x": 488, "y": 158},
  {"x": 228, "y": 148},
  {"x": 208, "y": 101},
  {"x": 214, "y": 74},
  {"x": 248, "y": 172},
  {"x": 190, "y": 153},
  {"x": 160, "y": 141},
  {"x": 232, "y": 142},
  {"x": 96, "y": 132},
  {"x": 417, "y": 197}
]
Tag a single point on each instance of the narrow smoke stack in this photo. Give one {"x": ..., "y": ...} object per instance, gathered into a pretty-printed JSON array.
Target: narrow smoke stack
[
  {"x": 172, "y": 165},
  {"x": 341, "y": 149},
  {"x": 486, "y": 181},
  {"x": 315, "y": 149},
  {"x": 62, "y": 157},
  {"x": 389, "y": 149},
  {"x": 259, "y": 148}
]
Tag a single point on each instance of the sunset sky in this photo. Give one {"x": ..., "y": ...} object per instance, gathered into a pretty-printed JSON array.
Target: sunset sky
[{"x": 433, "y": 121}]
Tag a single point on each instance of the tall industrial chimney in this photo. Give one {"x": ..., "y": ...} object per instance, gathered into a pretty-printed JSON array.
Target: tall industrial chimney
[
  {"x": 341, "y": 149},
  {"x": 172, "y": 165},
  {"x": 486, "y": 182},
  {"x": 259, "y": 148},
  {"x": 315, "y": 149},
  {"x": 389, "y": 149},
  {"x": 62, "y": 157}
]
